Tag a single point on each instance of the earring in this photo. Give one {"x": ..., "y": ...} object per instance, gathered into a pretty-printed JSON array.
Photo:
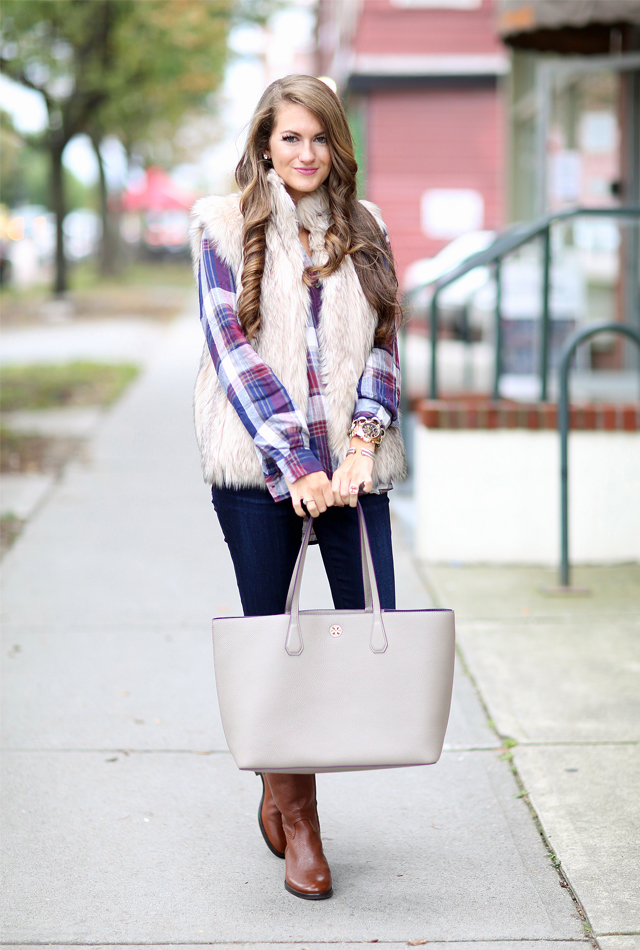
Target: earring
[{"x": 265, "y": 156}]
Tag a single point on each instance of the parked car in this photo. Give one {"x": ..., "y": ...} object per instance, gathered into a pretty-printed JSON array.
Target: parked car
[
  {"x": 428, "y": 269},
  {"x": 467, "y": 307}
]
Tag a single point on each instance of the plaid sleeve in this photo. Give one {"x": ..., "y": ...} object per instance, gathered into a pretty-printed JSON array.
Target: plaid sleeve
[
  {"x": 379, "y": 386},
  {"x": 274, "y": 422}
]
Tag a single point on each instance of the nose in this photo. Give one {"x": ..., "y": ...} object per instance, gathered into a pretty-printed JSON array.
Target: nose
[{"x": 306, "y": 152}]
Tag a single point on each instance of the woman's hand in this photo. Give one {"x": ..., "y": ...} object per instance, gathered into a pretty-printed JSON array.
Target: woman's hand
[
  {"x": 315, "y": 490},
  {"x": 355, "y": 474}
]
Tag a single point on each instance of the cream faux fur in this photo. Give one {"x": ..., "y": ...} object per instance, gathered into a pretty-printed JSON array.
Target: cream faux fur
[{"x": 345, "y": 334}]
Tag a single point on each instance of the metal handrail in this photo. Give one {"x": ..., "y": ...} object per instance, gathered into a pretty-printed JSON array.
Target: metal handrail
[
  {"x": 507, "y": 242},
  {"x": 566, "y": 353}
]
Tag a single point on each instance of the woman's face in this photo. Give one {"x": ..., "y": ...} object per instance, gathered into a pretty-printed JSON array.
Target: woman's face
[{"x": 298, "y": 150}]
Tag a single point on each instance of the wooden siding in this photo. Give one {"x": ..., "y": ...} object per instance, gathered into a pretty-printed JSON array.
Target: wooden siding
[
  {"x": 432, "y": 138},
  {"x": 384, "y": 28}
]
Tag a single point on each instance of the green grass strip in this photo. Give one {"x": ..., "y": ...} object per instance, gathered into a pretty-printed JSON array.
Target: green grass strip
[{"x": 65, "y": 384}]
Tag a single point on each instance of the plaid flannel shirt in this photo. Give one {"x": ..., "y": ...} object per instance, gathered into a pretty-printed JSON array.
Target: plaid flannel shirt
[{"x": 289, "y": 445}]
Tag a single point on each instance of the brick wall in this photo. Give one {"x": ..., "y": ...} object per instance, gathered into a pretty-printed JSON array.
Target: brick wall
[{"x": 482, "y": 413}]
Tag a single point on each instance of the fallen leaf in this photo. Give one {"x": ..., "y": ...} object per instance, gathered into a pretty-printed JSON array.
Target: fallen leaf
[{"x": 417, "y": 943}]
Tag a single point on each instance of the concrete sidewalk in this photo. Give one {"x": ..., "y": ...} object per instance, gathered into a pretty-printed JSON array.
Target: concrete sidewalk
[
  {"x": 561, "y": 677},
  {"x": 124, "y": 818}
]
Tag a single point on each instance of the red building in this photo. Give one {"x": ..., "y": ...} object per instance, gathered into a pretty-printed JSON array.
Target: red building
[{"x": 421, "y": 79}]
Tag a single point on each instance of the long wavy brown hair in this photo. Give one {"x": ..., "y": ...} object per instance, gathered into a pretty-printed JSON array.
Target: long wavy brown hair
[{"x": 353, "y": 229}]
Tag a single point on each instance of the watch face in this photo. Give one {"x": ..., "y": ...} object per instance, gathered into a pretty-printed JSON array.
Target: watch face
[{"x": 370, "y": 430}]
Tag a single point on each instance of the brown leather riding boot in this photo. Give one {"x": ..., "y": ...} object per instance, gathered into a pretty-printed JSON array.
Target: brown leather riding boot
[
  {"x": 307, "y": 873},
  {"x": 270, "y": 820}
]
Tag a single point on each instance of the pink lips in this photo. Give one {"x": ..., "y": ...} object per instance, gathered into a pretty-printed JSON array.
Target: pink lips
[{"x": 307, "y": 171}]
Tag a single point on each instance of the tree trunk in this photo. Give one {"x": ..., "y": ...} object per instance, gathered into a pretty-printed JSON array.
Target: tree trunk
[
  {"x": 110, "y": 225},
  {"x": 59, "y": 207}
]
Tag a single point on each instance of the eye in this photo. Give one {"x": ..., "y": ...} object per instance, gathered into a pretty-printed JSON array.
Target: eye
[
  {"x": 321, "y": 139},
  {"x": 288, "y": 138}
]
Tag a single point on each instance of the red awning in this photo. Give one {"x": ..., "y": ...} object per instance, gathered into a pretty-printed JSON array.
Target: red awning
[{"x": 156, "y": 192}]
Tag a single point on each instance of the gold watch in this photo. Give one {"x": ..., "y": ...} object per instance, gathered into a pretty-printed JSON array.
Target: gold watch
[{"x": 369, "y": 430}]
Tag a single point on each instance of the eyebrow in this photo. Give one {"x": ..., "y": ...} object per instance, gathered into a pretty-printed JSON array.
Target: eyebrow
[{"x": 293, "y": 132}]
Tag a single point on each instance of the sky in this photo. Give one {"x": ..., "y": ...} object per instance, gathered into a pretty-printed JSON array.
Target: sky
[{"x": 257, "y": 57}]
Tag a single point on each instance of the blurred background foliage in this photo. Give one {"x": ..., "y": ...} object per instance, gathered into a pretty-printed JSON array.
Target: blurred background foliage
[
  {"x": 26, "y": 175},
  {"x": 119, "y": 68}
]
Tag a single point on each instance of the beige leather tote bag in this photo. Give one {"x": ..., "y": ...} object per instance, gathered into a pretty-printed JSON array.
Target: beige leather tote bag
[{"x": 335, "y": 690}]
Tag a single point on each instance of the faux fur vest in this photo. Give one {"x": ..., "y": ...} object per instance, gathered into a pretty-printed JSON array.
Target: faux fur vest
[{"x": 345, "y": 334}]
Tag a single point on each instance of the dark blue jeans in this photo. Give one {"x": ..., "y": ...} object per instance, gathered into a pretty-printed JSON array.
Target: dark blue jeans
[{"x": 264, "y": 539}]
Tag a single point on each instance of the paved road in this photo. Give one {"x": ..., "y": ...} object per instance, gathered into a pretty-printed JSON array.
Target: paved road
[{"x": 125, "y": 820}]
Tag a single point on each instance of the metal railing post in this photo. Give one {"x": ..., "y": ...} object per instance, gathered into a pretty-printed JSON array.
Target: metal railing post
[
  {"x": 465, "y": 332},
  {"x": 545, "y": 322},
  {"x": 566, "y": 353},
  {"x": 498, "y": 363},
  {"x": 563, "y": 426},
  {"x": 434, "y": 343}
]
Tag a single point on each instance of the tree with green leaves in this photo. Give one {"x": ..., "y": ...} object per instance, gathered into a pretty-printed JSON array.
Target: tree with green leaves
[
  {"x": 25, "y": 172},
  {"x": 111, "y": 67}
]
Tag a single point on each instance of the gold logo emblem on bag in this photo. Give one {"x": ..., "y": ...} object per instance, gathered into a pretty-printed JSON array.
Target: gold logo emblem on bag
[{"x": 335, "y": 630}]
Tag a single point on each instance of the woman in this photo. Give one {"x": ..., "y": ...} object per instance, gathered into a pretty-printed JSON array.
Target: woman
[{"x": 296, "y": 400}]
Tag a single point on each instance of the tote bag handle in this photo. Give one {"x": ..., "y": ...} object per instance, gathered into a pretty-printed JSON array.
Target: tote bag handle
[{"x": 378, "y": 640}]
